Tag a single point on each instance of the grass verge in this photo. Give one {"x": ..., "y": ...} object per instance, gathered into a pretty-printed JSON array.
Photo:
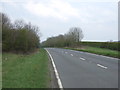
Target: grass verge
[
  {"x": 100, "y": 51},
  {"x": 25, "y": 71}
]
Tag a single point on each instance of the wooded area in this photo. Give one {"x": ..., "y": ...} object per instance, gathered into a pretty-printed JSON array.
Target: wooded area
[
  {"x": 71, "y": 38},
  {"x": 19, "y": 36}
]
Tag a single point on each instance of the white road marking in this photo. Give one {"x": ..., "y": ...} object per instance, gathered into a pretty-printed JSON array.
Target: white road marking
[
  {"x": 95, "y": 54},
  {"x": 82, "y": 58},
  {"x": 101, "y": 66},
  {"x": 66, "y": 52},
  {"x": 71, "y": 54},
  {"x": 56, "y": 72}
]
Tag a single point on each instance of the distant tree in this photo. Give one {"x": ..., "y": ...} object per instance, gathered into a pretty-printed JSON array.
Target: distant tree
[
  {"x": 60, "y": 40},
  {"x": 76, "y": 34}
]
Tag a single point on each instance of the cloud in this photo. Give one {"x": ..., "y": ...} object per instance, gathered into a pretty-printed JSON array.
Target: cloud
[
  {"x": 55, "y": 8},
  {"x": 10, "y": 2},
  {"x": 98, "y": 12},
  {"x": 66, "y": 10},
  {"x": 92, "y": 0},
  {"x": 1, "y": 8}
]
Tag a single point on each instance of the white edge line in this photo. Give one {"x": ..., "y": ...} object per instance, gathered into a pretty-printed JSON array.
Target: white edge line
[
  {"x": 101, "y": 55},
  {"x": 82, "y": 58},
  {"x": 95, "y": 54},
  {"x": 102, "y": 66},
  {"x": 56, "y": 72}
]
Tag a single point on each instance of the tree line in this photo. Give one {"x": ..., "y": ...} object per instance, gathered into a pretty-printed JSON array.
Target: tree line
[
  {"x": 72, "y": 38},
  {"x": 19, "y": 36}
]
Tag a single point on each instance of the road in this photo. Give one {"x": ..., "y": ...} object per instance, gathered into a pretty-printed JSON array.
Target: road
[{"x": 85, "y": 70}]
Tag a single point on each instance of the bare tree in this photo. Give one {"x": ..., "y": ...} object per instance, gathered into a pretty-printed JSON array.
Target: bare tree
[
  {"x": 75, "y": 34},
  {"x": 71, "y": 38},
  {"x": 5, "y": 20},
  {"x": 19, "y": 24}
]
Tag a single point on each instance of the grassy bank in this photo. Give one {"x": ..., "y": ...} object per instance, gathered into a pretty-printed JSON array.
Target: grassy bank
[
  {"x": 100, "y": 51},
  {"x": 26, "y": 71},
  {"x": 106, "y": 45}
]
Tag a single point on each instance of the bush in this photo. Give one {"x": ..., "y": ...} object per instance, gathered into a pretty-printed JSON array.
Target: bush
[{"x": 18, "y": 36}]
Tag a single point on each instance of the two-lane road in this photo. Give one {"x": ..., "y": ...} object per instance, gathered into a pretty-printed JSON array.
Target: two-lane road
[{"x": 85, "y": 70}]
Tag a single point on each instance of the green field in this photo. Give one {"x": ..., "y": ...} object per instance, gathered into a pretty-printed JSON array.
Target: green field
[
  {"x": 107, "y": 45},
  {"x": 25, "y": 71},
  {"x": 100, "y": 51}
]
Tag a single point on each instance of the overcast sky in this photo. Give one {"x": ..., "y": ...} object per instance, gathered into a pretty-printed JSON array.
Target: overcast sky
[{"x": 98, "y": 19}]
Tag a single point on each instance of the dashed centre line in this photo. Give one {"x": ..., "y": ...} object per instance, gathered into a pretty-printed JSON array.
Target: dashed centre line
[
  {"x": 90, "y": 61},
  {"x": 71, "y": 54},
  {"x": 101, "y": 66},
  {"x": 82, "y": 58}
]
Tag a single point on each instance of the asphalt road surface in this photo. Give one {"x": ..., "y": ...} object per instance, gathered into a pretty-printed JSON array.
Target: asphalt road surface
[{"x": 85, "y": 70}]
